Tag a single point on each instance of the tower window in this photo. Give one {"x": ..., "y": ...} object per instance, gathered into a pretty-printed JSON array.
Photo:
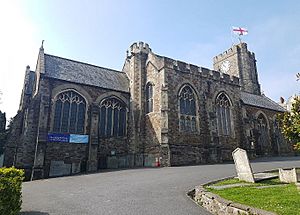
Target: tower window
[
  {"x": 112, "y": 118},
  {"x": 149, "y": 98},
  {"x": 187, "y": 110},
  {"x": 69, "y": 113},
  {"x": 223, "y": 114}
]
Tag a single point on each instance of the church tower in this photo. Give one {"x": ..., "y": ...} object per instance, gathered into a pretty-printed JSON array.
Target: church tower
[
  {"x": 135, "y": 69},
  {"x": 240, "y": 62}
]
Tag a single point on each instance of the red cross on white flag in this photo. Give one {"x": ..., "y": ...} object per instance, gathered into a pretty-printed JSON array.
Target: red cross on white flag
[{"x": 239, "y": 31}]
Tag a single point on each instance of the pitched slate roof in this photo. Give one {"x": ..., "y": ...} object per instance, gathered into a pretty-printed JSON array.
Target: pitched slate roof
[
  {"x": 260, "y": 101},
  {"x": 83, "y": 73}
]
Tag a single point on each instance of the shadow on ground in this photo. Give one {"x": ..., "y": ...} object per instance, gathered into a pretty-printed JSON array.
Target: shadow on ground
[{"x": 33, "y": 213}]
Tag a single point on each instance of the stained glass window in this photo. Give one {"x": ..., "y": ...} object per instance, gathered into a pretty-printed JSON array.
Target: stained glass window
[
  {"x": 112, "y": 118},
  {"x": 223, "y": 114},
  {"x": 187, "y": 110},
  {"x": 69, "y": 113}
]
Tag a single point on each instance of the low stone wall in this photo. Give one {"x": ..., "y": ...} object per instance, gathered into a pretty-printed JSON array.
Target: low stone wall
[{"x": 219, "y": 206}]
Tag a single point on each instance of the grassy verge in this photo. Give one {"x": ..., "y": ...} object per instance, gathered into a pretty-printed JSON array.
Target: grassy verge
[{"x": 283, "y": 200}]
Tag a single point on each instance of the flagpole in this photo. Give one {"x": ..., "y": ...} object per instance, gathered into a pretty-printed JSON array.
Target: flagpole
[{"x": 231, "y": 35}]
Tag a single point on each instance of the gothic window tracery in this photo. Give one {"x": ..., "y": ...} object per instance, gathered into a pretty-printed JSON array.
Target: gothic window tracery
[
  {"x": 149, "y": 98},
  {"x": 223, "y": 114},
  {"x": 112, "y": 118},
  {"x": 69, "y": 113},
  {"x": 263, "y": 134},
  {"x": 187, "y": 110}
]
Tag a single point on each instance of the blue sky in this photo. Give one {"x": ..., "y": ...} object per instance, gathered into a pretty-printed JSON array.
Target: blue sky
[{"x": 99, "y": 32}]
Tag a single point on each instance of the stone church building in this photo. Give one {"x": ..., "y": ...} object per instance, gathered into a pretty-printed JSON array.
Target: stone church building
[{"x": 77, "y": 117}]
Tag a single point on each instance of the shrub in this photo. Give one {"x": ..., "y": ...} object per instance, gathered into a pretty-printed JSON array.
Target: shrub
[{"x": 10, "y": 190}]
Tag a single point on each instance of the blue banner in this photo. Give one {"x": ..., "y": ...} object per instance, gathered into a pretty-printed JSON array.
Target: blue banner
[
  {"x": 68, "y": 138},
  {"x": 60, "y": 138},
  {"x": 75, "y": 138}
]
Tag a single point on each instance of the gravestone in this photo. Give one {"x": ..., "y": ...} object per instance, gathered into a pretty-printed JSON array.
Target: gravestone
[
  {"x": 288, "y": 175},
  {"x": 76, "y": 168},
  {"x": 59, "y": 168},
  {"x": 242, "y": 165},
  {"x": 1, "y": 160},
  {"x": 112, "y": 162}
]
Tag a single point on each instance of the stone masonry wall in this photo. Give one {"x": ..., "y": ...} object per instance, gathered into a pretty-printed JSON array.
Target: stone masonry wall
[
  {"x": 219, "y": 206},
  {"x": 208, "y": 145},
  {"x": 278, "y": 145}
]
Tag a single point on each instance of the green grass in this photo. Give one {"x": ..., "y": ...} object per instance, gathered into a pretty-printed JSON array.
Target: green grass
[
  {"x": 228, "y": 181},
  {"x": 283, "y": 200}
]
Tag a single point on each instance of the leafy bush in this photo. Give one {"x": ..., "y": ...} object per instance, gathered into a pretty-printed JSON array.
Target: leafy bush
[
  {"x": 10, "y": 190},
  {"x": 290, "y": 124}
]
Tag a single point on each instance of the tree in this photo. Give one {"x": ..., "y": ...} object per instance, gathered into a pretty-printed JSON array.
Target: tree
[{"x": 290, "y": 124}]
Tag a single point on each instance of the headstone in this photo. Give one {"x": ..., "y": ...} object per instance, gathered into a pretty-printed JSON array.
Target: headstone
[
  {"x": 242, "y": 165},
  {"x": 76, "y": 168},
  {"x": 59, "y": 168},
  {"x": 112, "y": 162},
  {"x": 1, "y": 160},
  {"x": 288, "y": 175}
]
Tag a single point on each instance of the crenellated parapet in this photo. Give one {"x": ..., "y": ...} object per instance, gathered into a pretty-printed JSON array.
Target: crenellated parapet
[
  {"x": 225, "y": 54},
  {"x": 139, "y": 47},
  {"x": 183, "y": 67},
  {"x": 242, "y": 47}
]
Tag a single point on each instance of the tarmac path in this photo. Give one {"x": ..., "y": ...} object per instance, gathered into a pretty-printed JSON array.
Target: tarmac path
[{"x": 131, "y": 192}]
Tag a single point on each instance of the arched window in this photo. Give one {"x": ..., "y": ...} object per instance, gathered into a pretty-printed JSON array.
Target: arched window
[
  {"x": 263, "y": 134},
  {"x": 112, "y": 118},
  {"x": 187, "y": 110},
  {"x": 69, "y": 113},
  {"x": 223, "y": 114},
  {"x": 149, "y": 98}
]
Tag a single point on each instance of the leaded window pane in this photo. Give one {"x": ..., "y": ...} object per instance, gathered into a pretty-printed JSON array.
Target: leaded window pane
[
  {"x": 187, "y": 110},
  {"x": 57, "y": 116},
  {"x": 112, "y": 118},
  {"x": 109, "y": 122},
  {"x": 65, "y": 117},
  {"x": 73, "y": 118},
  {"x": 182, "y": 123},
  {"x": 102, "y": 121},
  {"x": 193, "y": 124},
  {"x": 228, "y": 122},
  {"x": 69, "y": 113},
  {"x": 193, "y": 108},
  {"x": 223, "y": 114},
  {"x": 116, "y": 121},
  {"x": 187, "y": 124},
  {"x": 182, "y": 106},
  {"x": 81, "y": 116}
]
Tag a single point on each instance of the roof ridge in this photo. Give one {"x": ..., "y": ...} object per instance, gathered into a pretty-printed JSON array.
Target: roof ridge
[
  {"x": 76, "y": 61},
  {"x": 272, "y": 100},
  {"x": 266, "y": 100}
]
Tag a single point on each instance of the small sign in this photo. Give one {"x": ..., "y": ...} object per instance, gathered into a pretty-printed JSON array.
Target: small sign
[
  {"x": 60, "y": 138},
  {"x": 75, "y": 138},
  {"x": 68, "y": 138}
]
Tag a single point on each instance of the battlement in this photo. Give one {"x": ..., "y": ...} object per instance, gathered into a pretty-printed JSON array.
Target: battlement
[
  {"x": 225, "y": 54},
  {"x": 140, "y": 47},
  {"x": 201, "y": 71},
  {"x": 234, "y": 49}
]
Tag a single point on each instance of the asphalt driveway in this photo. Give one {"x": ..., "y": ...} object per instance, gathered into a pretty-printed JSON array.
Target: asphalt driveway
[{"x": 135, "y": 191}]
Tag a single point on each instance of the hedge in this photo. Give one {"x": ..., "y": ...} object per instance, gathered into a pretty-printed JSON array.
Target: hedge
[{"x": 10, "y": 190}]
